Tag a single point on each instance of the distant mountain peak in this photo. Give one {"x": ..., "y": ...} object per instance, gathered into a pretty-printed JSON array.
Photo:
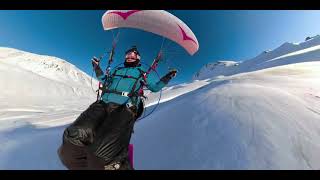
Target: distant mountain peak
[
  {"x": 40, "y": 74},
  {"x": 49, "y": 67},
  {"x": 286, "y": 53}
]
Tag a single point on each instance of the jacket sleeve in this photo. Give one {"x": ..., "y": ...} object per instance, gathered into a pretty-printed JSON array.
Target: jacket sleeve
[
  {"x": 154, "y": 85},
  {"x": 99, "y": 73}
]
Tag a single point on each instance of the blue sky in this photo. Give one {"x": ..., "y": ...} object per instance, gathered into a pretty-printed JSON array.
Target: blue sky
[{"x": 76, "y": 36}]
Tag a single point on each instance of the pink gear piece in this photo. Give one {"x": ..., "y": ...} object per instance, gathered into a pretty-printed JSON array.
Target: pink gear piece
[{"x": 131, "y": 154}]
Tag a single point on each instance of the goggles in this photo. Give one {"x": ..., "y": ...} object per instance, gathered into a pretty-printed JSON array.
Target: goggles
[{"x": 133, "y": 55}]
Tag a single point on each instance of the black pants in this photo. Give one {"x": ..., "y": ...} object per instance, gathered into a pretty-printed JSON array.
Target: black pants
[{"x": 99, "y": 137}]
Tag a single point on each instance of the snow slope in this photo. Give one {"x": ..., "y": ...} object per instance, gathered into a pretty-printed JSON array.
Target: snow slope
[
  {"x": 42, "y": 77},
  {"x": 263, "y": 113},
  {"x": 32, "y": 85},
  {"x": 49, "y": 67},
  {"x": 287, "y": 53},
  {"x": 268, "y": 119}
]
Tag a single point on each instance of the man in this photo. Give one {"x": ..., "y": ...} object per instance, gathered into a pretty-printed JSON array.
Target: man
[{"x": 100, "y": 136}]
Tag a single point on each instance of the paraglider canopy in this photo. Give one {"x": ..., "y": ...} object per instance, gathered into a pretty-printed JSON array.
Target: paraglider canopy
[{"x": 159, "y": 22}]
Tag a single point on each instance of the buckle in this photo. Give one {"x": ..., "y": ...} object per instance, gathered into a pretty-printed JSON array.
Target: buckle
[
  {"x": 124, "y": 94},
  {"x": 129, "y": 105}
]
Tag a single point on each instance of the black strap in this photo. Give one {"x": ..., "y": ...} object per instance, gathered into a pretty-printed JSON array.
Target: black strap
[
  {"x": 115, "y": 71},
  {"x": 119, "y": 92},
  {"x": 125, "y": 76},
  {"x": 104, "y": 88},
  {"x": 133, "y": 90}
]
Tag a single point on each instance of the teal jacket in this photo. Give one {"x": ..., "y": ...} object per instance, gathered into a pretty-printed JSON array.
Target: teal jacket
[{"x": 123, "y": 84}]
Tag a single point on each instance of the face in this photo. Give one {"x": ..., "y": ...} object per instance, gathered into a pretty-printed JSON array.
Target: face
[{"x": 132, "y": 57}]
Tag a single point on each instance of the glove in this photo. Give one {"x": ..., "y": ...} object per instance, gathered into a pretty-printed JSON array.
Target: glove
[
  {"x": 171, "y": 74},
  {"x": 95, "y": 62}
]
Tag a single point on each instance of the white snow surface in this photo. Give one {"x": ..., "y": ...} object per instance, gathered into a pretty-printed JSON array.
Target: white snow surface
[{"x": 262, "y": 113}]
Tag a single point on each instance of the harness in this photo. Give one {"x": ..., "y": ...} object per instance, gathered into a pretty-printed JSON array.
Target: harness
[{"x": 133, "y": 94}]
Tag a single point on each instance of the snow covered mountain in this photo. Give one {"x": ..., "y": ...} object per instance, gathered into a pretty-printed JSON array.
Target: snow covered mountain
[
  {"x": 215, "y": 69},
  {"x": 28, "y": 77},
  {"x": 263, "y": 113},
  {"x": 287, "y": 53},
  {"x": 32, "y": 85}
]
